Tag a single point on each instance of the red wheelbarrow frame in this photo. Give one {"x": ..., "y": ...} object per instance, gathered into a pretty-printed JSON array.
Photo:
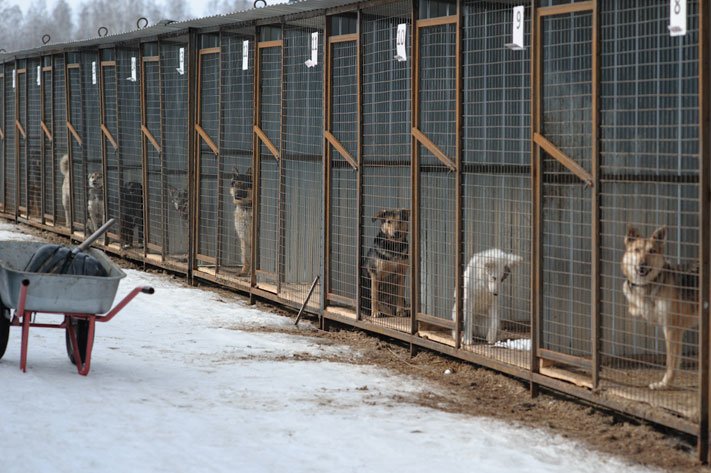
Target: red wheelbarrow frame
[{"x": 23, "y": 318}]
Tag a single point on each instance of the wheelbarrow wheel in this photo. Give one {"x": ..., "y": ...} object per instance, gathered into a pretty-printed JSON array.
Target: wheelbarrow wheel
[
  {"x": 81, "y": 328},
  {"x": 4, "y": 328}
]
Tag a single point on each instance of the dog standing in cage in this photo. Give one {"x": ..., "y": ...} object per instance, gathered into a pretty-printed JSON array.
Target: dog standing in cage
[
  {"x": 387, "y": 262},
  {"x": 179, "y": 199},
  {"x": 241, "y": 191},
  {"x": 483, "y": 277},
  {"x": 66, "y": 189},
  {"x": 95, "y": 203},
  {"x": 661, "y": 293},
  {"x": 131, "y": 213}
]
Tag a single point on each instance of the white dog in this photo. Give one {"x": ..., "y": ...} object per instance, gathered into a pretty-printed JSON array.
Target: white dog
[{"x": 482, "y": 282}]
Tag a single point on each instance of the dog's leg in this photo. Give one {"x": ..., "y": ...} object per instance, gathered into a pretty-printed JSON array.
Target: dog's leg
[
  {"x": 374, "y": 295},
  {"x": 400, "y": 304},
  {"x": 244, "y": 248},
  {"x": 672, "y": 340},
  {"x": 493, "y": 322}
]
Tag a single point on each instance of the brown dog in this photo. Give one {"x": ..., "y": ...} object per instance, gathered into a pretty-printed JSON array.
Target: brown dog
[
  {"x": 387, "y": 260},
  {"x": 660, "y": 293}
]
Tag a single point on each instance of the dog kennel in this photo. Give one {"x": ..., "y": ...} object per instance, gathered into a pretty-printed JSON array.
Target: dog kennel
[{"x": 543, "y": 130}]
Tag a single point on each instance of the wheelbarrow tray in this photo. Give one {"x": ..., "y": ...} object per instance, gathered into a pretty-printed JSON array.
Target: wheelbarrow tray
[{"x": 67, "y": 293}]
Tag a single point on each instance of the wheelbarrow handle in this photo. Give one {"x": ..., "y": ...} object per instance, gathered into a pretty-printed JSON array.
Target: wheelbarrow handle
[
  {"x": 112, "y": 313},
  {"x": 93, "y": 237}
]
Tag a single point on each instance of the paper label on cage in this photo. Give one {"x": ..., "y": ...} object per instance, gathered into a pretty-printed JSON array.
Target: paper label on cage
[
  {"x": 245, "y": 55},
  {"x": 93, "y": 72},
  {"x": 314, "y": 51},
  {"x": 181, "y": 61},
  {"x": 677, "y": 17},
  {"x": 39, "y": 75},
  {"x": 519, "y": 21},
  {"x": 133, "y": 70},
  {"x": 400, "y": 49},
  {"x": 13, "y": 78}
]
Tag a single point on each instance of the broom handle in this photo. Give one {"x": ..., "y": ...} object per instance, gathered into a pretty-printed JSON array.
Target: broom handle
[{"x": 93, "y": 237}]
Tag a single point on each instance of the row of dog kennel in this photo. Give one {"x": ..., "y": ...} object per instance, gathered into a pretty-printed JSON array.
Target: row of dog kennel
[{"x": 404, "y": 167}]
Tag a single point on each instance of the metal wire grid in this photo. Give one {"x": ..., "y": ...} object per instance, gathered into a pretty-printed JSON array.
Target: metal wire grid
[
  {"x": 386, "y": 105},
  {"x": 175, "y": 148},
  {"x": 130, "y": 169},
  {"x": 343, "y": 271},
  {"x": 649, "y": 165},
  {"x": 77, "y": 155},
  {"x": 59, "y": 134},
  {"x": 437, "y": 97},
  {"x": 496, "y": 171},
  {"x": 152, "y": 121},
  {"x": 236, "y": 140},
  {"x": 34, "y": 141},
  {"x": 270, "y": 90},
  {"x": 21, "y": 98},
  {"x": 567, "y": 204},
  {"x": 302, "y": 155},
  {"x": 47, "y": 143},
  {"x": 10, "y": 159},
  {"x": 93, "y": 159},
  {"x": 3, "y": 140},
  {"x": 109, "y": 77},
  {"x": 208, "y": 197}
]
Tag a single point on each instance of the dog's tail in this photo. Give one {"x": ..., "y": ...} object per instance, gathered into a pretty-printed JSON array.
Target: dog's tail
[{"x": 64, "y": 165}]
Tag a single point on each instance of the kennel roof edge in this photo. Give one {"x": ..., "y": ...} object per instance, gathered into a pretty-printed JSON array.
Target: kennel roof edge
[{"x": 245, "y": 18}]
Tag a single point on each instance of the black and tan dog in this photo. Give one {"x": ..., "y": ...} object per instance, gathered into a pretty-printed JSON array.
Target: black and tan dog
[
  {"x": 661, "y": 293},
  {"x": 388, "y": 260}
]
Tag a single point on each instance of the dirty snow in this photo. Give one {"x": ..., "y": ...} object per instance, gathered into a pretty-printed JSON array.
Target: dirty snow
[{"x": 181, "y": 382}]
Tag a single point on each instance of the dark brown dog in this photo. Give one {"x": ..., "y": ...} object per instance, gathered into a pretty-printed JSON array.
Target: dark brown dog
[{"x": 388, "y": 261}]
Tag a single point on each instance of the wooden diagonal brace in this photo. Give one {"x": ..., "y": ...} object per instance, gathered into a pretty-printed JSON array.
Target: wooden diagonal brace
[
  {"x": 434, "y": 149},
  {"x": 341, "y": 149},
  {"x": 563, "y": 159}
]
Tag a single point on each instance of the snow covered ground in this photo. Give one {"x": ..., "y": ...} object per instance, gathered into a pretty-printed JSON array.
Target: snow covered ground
[{"x": 181, "y": 382}]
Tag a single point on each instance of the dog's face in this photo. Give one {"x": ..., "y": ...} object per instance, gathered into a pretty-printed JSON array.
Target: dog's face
[
  {"x": 179, "y": 199},
  {"x": 644, "y": 257},
  {"x": 241, "y": 187},
  {"x": 96, "y": 180},
  {"x": 394, "y": 223},
  {"x": 498, "y": 270}
]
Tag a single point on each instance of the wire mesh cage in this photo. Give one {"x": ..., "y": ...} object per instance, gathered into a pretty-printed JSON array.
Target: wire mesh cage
[
  {"x": 10, "y": 131},
  {"x": 650, "y": 206},
  {"x": 174, "y": 86},
  {"x": 108, "y": 187},
  {"x": 269, "y": 145},
  {"x": 76, "y": 165},
  {"x": 236, "y": 149},
  {"x": 92, "y": 167},
  {"x": 3, "y": 141},
  {"x": 152, "y": 148},
  {"x": 301, "y": 186},
  {"x": 34, "y": 139},
  {"x": 435, "y": 131},
  {"x": 21, "y": 135},
  {"x": 343, "y": 162},
  {"x": 567, "y": 200},
  {"x": 128, "y": 175},
  {"x": 208, "y": 127},
  {"x": 45, "y": 84},
  {"x": 59, "y": 140},
  {"x": 496, "y": 190},
  {"x": 386, "y": 186}
]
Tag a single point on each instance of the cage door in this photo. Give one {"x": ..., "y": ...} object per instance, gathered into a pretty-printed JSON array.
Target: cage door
[
  {"x": 564, "y": 151},
  {"x": 21, "y": 138},
  {"x": 342, "y": 160},
  {"x": 267, "y": 131}
]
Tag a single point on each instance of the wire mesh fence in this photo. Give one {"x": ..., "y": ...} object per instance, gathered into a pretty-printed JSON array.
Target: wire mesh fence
[
  {"x": 34, "y": 140},
  {"x": 47, "y": 137},
  {"x": 108, "y": 187},
  {"x": 92, "y": 166},
  {"x": 387, "y": 122},
  {"x": 4, "y": 152},
  {"x": 21, "y": 137},
  {"x": 650, "y": 206},
  {"x": 10, "y": 131},
  {"x": 59, "y": 140},
  {"x": 152, "y": 148}
]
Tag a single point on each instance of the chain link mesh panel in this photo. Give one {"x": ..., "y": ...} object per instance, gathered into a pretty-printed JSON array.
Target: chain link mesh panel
[
  {"x": 153, "y": 148},
  {"x": 21, "y": 136},
  {"x": 59, "y": 136},
  {"x": 34, "y": 140}
]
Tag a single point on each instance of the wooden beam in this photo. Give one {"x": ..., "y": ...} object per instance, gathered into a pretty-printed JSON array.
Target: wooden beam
[
  {"x": 206, "y": 138},
  {"x": 343, "y": 38},
  {"x": 277, "y": 43},
  {"x": 109, "y": 136},
  {"x": 442, "y": 20},
  {"x": 267, "y": 142},
  {"x": 2, "y": 134},
  {"x": 567, "y": 8},
  {"x": 18, "y": 125},
  {"x": 341, "y": 149},
  {"x": 150, "y": 137},
  {"x": 563, "y": 159},
  {"x": 434, "y": 149},
  {"x": 74, "y": 133},
  {"x": 47, "y": 133},
  {"x": 209, "y": 51}
]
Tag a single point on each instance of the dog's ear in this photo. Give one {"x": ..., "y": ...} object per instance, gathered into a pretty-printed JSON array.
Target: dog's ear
[
  {"x": 660, "y": 234},
  {"x": 404, "y": 215},
  {"x": 632, "y": 235},
  {"x": 514, "y": 260},
  {"x": 379, "y": 215}
]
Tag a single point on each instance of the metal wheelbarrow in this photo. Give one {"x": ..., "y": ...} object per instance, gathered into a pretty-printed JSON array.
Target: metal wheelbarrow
[{"x": 79, "y": 298}]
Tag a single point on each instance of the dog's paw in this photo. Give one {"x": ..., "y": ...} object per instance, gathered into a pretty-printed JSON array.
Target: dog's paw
[
  {"x": 402, "y": 313},
  {"x": 661, "y": 385}
]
